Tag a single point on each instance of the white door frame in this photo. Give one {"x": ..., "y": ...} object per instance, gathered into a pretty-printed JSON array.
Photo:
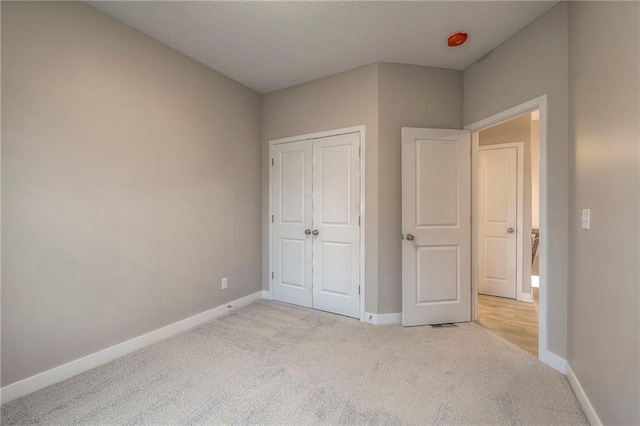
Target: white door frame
[
  {"x": 539, "y": 103},
  {"x": 475, "y": 140},
  {"x": 337, "y": 132}
]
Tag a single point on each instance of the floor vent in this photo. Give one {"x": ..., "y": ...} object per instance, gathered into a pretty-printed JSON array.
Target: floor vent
[{"x": 445, "y": 325}]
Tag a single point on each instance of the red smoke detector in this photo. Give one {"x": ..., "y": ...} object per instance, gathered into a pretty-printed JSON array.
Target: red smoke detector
[{"x": 457, "y": 39}]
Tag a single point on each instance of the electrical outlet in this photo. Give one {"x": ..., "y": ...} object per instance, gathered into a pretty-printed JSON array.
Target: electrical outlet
[{"x": 225, "y": 283}]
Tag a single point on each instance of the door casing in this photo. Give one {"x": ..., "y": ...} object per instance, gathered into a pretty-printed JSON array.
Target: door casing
[
  {"x": 539, "y": 103},
  {"x": 520, "y": 295},
  {"x": 336, "y": 132}
]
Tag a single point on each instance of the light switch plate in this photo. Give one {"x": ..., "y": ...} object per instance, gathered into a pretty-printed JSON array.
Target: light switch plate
[{"x": 586, "y": 218}]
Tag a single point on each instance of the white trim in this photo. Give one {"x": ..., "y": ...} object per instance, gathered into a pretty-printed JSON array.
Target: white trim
[
  {"x": 383, "y": 319},
  {"x": 588, "y": 409},
  {"x": 362, "y": 222},
  {"x": 475, "y": 143},
  {"x": 539, "y": 103},
  {"x": 501, "y": 117},
  {"x": 525, "y": 297},
  {"x": 554, "y": 361},
  {"x": 520, "y": 294},
  {"x": 70, "y": 369},
  {"x": 266, "y": 295},
  {"x": 317, "y": 135}
]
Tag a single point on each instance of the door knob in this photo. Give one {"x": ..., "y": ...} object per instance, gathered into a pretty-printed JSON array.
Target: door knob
[
  {"x": 315, "y": 232},
  {"x": 511, "y": 230},
  {"x": 307, "y": 232},
  {"x": 410, "y": 237}
]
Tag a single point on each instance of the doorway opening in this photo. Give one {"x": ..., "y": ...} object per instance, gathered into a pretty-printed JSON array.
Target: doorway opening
[
  {"x": 507, "y": 233},
  {"x": 532, "y": 292}
]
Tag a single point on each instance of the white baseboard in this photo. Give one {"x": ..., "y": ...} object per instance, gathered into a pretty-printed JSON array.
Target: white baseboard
[
  {"x": 525, "y": 297},
  {"x": 554, "y": 361},
  {"x": 588, "y": 409},
  {"x": 70, "y": 369},
  {"x": 383, "y": 319},
  {"x": 266, "y": 294}
]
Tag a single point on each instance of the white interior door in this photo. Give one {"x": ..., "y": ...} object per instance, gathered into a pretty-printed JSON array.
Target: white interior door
[
  {"x": 316, "y": 223},
  {"x": 336, "y": 227},
  {"x": 436, "y": 222},
  {"x": 497, "y": 221},
  {"x": 292, "y": 220}
]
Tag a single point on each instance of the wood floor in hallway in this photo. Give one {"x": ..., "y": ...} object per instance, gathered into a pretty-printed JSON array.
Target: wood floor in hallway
[{"x": 511, "y": 319}]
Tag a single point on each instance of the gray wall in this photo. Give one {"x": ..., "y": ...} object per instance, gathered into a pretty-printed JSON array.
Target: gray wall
[
  {"x": 409, "y": 96},
  {"x": 604, "y": 292},
  {"x": 518, "y": 130},
  {"x": 531, "y": 63},
  {"x": 384, "y": 97},
  {"x": 128, "y": 172},
  {"x": 342, "y": 100}
]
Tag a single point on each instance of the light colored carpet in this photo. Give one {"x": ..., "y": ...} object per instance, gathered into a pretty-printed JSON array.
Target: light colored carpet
[{"x": 273, "y": 363}]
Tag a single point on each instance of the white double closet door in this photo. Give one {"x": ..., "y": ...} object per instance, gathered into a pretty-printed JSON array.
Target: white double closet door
[{"x": 315, "y": 223}]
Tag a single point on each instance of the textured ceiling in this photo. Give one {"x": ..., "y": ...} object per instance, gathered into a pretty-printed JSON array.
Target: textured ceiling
[{"x": 272, "y": 45}]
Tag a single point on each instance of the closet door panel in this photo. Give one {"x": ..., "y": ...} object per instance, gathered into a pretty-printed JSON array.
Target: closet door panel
[
  {"x": 292, "y": 216},
  {"x": 336, "y": 211}
]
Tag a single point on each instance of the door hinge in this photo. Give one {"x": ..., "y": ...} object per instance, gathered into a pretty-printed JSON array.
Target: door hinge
[
  {"x": 272, "y": 162},
  {"x": 272, "y": 218},
  {"x": 272, "y": 276},
  {"x": 358, "y": 289},
  {"x": 358, "y": 220},
  {"x": 359, "y": 151}
]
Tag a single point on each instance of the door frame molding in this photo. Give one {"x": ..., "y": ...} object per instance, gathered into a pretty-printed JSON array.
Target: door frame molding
[
  {"x": 475, "y": 157},
  {"x": 540, "y": 103},
  {"x": 316, "y": 135}
]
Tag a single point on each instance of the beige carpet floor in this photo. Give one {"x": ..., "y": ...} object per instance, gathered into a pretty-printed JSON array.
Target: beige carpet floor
[{"x": 272, "y": 363}]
